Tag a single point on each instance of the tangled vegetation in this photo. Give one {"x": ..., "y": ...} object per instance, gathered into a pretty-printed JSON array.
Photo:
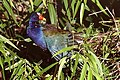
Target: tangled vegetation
[{"x": 98, "y": 58}]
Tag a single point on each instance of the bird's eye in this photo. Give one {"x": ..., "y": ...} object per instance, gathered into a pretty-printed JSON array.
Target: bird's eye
[{"x": 35, "y": 23}]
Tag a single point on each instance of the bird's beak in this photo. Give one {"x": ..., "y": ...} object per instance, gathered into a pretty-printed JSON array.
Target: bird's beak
[
  {"x": 41, "y": 17},
  {"x": 42, "y": 20}
]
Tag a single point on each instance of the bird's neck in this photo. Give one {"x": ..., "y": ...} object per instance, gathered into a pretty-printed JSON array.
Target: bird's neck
[{"x": 36, "y": 33}]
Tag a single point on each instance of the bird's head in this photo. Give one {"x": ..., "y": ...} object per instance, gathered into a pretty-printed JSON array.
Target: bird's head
[
  {"x": 34, "y": 30},
  {"x": 37, "y": 18}
]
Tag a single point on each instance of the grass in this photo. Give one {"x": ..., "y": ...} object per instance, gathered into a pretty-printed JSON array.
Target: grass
[{"x": 97, "y": 58}]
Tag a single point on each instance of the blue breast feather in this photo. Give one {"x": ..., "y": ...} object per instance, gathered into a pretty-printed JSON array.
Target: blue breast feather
[{"x": 37, "y": 36}]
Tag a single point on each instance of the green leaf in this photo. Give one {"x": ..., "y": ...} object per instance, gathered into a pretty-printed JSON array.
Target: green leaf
[
  {"x": 87, "y": 8},
  {"x": 100, "y": 6},
  {"x": 11, "y": 3},
  {"x": 5, "y": 40},
  {"x": 36, "y": 68},
  {"x": 72, "y": 5},
  {"x": 65, "y": 49},
  {"x": 83, "y": 73},
  {"x": 15, "y": 65},
  {"x": 67, "y": 9},
  {"x": 7, "y": 59},
  {"x": 66, "y": 4},
  {"x": 116, "y": 33},
  {"x": 82, "y": 12},
  {"x": 62, "y": 62},
  {"x": 92, "y": 63},
  {"x": 44, "y": 2},
  {"x": 98, "y": 77},
  {"x": 29, "y": 69},
  {"x": 69, "y": 14},
  {"x": 62, "y": 76},
  {"x": 46, "y": 69},
  {"x": 1, "y": 65},
  {"x": 85, "y": 2},
  {"x": 61, "y": 22},
  {"x": 2, "y": 49},
  {"x": 90, "y": 74},
  {"x": 32, "y": 7},
  {"x": 49, "y": 77},
  {"x": 3, "y": 25},
  {"x": 106, "y": 55},
  {"x": 21, "y": 70},
  {"x": 1, "y": 62},
  {"x": 37, "y": 2},
  {"x": 52, "y": 13},
  {"x": 76, "y": 8},
  {"x": 27, "y": 40},
  {"x": 9, "y": 9},
  {"x": 97, "y": 61},
  {"x": 76, "y": 64}
]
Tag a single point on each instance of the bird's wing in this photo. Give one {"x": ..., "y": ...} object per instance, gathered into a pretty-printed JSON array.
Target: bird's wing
[
  {"x": 56, "y": 43},
  {"x": 56, "y": 40}
]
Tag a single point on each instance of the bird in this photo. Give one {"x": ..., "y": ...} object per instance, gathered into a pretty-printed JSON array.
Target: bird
[{"x": 49, "y": 37}]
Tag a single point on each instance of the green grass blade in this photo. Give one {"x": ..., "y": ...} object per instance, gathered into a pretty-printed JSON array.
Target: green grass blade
[
  {"x": 66, "y": 4},
  {"x": 82, "y": 12},
  {"x": 98, "y": 77},
  {"x": 46, "y": 69},
  {"x": 93, "y": 63},
  {"x": 49, "y": 77},
  {"x": 62, "y": 62},
  {"x": 83, "y": 73},
  {"x": 44, "y": 2},
  {"x": 64, "y": 49},
  {"x": 1, "y": 65},
  {"x": 37, "y": 2},
  {"x": 97, "y": 62},
  {"x": 61, "y": 22},
  {"x": 67, "y": 9},
  {"x": 100, "y": 6},
  {"x": 15, "y": 65},
  {"x": 11, "y": 3},
  {"x": 31, "y": 2},
  {"x": 73, "y": 6},
  {"x": 76, "y": 8},
  {"x": 9, "y": 9},
  {"x": 62, "y": 76},
  {"x": 52, "y": 13},
  {"x": 76, "y": 64},
  {"x": 36, "y": 68},
  {"x": 21, "y": 70},
  {"x": 1, "y": 62},
  {"x": 7, "y": 59},
  {"x": 5, "y": 40},
  {"x": 69, "y": 14},
  {"x": 85, "y": 2},
  {"x": 90, "y": 74}
]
